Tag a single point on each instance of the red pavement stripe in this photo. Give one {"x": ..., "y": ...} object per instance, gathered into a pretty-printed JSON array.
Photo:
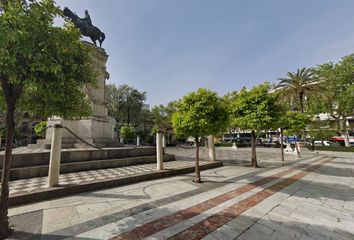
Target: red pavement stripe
[
  {"x": 205, "y": 227},
  {"x": 158, "y": 225}
]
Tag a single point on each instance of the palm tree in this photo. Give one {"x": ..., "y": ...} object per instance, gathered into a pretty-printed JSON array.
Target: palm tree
[
  {"x": 297, "y": 87},
  {"x": 125, "y": 103}
]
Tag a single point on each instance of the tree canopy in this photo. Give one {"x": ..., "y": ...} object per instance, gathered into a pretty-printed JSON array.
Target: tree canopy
[
  {"x": 339, "y": 81},
  {"x": 198, "y": 114},
  {"x": 125, "y": 103},
  {"x": 297, "y": 87},
  {"x": 254, "y": 110},
  {"x": 44, "y": 69}
]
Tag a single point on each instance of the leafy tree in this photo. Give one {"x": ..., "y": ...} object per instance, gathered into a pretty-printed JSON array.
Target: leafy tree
[
  {"x": 292, "y": 123},
  {"x": 125, "y": 103},
  {"x": 297, "y": 87},
  {"x": 43, "y": 69},
  {"x": 199, "y": 114},
  {"x": 162, "y": 118},
  {"x": 253, "y": 110},
  {"x": 114, "y": 103},
  {"x": 339, "y": 81}
]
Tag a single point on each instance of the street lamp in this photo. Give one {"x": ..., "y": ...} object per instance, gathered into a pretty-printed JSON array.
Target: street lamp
[{"x": 318, "y": 121}]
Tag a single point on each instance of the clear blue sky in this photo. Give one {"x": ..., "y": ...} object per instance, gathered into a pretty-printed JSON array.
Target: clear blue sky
[{"x": 171, "y": 47}]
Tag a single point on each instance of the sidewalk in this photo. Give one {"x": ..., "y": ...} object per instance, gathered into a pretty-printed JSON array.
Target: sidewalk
[
  {"x": 310, "y": 198},
  {"x": 36, "y": 189}
]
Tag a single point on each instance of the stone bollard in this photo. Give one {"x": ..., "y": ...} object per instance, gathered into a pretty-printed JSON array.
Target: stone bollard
[
  {"x": 163, "y": 141},
  {"x": 234, "y": 146},
  {"x": 211, "y": 146},
  {"x": 55, "y": 154},
  {"x": 159, "y": 151},
  {"x": 138, "y": 141},
  {"x": 121, "y": 140}
]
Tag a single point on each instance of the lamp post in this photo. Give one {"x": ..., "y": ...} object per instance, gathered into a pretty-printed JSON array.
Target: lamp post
[
  {"x": 297, "y": 147},
  {"x": 319, "y": 135}
]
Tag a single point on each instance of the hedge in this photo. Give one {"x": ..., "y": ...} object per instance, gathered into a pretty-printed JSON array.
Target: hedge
[{"x": 334, "y": 148}]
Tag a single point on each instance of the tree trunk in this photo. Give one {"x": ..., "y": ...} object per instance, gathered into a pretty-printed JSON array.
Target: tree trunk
[
  {"x": 5, "y": 229},
  {"x": 301, "y": 99},
  {"x": 254, "y": 155},
  {"x": 197, "y": 178},
  {"x": 128, "y": 115},
  {"x": 281, "y": 145},
  {"x": 297, "y": 148}
]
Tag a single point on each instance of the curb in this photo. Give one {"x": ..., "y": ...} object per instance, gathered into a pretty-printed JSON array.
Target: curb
[{"x": 56, "y": 192}]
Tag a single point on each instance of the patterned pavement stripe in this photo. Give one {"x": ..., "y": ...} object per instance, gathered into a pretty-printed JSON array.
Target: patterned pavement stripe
[
  {"x": 128, "y": 212},
  {"x": 165, "y": 222},
  {"x": 26, "y": 186},
  {"x": 205, "y": 227}
]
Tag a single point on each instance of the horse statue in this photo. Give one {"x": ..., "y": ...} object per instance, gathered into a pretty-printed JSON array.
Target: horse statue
[{"x": 85, "y": 26}]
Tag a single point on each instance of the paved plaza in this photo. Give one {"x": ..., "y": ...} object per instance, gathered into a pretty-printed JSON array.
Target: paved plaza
[{"x": 307, "y": 198}]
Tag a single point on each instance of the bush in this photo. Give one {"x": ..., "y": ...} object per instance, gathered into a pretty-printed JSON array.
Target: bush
[
  {"x": 334, "y": 148},
  {"x": 40, "y": 128},
  {"x": 127, "y": 132},
  {"x": 223, "y": 144}
]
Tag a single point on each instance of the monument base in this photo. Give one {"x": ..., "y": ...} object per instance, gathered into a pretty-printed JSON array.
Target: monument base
[{"x": 98, "y": 132}]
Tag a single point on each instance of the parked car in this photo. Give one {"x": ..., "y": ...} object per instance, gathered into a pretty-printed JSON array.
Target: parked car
[
  {"x": 271, "y": 143},
  {"x": 324, "y": 143}
]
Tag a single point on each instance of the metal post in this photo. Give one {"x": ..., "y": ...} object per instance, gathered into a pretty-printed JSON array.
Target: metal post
[
  {"x": 55, "y": 154},
  {"x": 211, "y": 146},
  {"x": 159, "y": 152}
]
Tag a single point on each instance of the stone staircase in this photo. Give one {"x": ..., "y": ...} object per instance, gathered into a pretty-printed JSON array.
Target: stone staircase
[{"x": 36, "y": 164}]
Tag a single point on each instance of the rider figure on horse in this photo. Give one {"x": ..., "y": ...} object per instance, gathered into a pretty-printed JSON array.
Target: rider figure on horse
[{"x": 86, "y": 20}]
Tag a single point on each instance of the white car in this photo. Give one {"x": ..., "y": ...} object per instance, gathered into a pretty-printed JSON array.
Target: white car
[{"x": 325, "y": 143}]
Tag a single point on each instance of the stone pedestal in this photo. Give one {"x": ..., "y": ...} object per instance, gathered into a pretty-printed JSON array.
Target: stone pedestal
[{"x": 97, "y": 129}]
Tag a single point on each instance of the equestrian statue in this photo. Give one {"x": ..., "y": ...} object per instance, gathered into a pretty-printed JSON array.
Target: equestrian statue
[{"x": 85, "y": 26}]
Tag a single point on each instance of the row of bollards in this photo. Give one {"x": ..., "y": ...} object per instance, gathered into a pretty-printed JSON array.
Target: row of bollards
[{"x": 55, "y": 153}]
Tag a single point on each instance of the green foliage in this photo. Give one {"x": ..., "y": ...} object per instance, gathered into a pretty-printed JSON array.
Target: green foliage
[
  {"x": 44, "y": 70},
  {"x": 253, "y": 109},
  {"x": 125, "y": 104},
  {"x": 293, "y": 123},
  {"x": 40, "y": 128},
  {"x": 334, "y": 148},
  {"x": 127, "y": 132},
  {"x": 162, "y": 117},
  {"x": 297, "y": 87},
  {"x": 321, "y": 130},
  {"x": 200, "y": 113},
  {"x": 17, "y": 133},
  {"x": 339, "y": 82},
  {"x": 2, "y": 130},
  {"x": 46, "y": 66},
  {"x": 223, "y": 144}
]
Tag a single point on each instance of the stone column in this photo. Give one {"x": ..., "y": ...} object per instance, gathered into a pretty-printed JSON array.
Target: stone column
[
  {"x": 138, "y": 141},
  {"x": 159, "y": 151},
  {"x": 55, "y": 154},
  {"x": 211, "y": 146}
]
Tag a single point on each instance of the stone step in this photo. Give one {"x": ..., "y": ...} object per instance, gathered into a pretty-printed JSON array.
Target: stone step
[
  {"x": 28, "y": 159},
  {"x": 42, "y": 170}
]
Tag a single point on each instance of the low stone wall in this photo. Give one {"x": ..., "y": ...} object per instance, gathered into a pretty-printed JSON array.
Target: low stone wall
[
  {"x": 71, "y": 156},
  {"x": 42, "y": 171}
]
